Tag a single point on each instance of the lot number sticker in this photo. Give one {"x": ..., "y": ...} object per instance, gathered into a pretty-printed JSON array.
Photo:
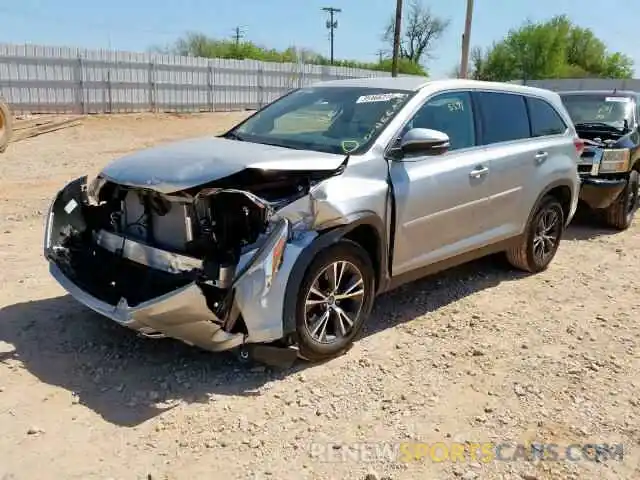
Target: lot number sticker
[
  {"x": 381, "y": 97},
  {"x": 618, "y": 99}
]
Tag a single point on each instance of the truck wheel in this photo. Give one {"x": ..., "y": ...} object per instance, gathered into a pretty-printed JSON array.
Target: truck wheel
[
  {"x": 541, "y": 238},
  {"x": 6, "y": 125},
  {"x": 620, "y": 214},
  {"x": 334, "y": 300}
]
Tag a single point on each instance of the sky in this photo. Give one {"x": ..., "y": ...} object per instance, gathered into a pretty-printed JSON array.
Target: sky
[{"x": 135, "y": 25}]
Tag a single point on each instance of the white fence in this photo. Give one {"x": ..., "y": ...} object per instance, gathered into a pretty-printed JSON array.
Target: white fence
[{"x": 41, "y": 79}]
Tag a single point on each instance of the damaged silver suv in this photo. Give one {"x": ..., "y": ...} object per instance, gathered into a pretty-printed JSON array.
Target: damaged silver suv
[{"x": 283, "y": 230}]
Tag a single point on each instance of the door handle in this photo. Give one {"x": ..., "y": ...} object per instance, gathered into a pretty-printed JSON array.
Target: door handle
[
  {"x": 479, "y": 172},
  {"x": 541, "y": 157}
]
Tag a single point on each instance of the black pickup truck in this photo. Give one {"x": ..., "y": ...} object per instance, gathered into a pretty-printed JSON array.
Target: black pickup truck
[{"x": 609, "y": 124}]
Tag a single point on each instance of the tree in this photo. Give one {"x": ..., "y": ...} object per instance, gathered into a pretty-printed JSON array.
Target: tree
[
  {"x": 195, "y": 44},
  {"x": 476, "y": 64},
  {"x": 555, "y": 48},
  {"x": 420, "y": 31}
]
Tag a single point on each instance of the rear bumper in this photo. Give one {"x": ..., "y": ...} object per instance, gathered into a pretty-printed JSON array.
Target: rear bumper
[{"x": 600, "y": 193}]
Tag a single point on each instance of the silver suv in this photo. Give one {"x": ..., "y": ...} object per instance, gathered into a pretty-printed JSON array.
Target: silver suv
[{"x": 283, "y": 230}]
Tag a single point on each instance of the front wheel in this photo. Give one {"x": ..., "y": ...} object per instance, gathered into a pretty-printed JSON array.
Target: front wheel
[
  {"x": 620, "y": 214},
  {"x": 334, "y": 300},
  {"x": 541, "y": 239}
]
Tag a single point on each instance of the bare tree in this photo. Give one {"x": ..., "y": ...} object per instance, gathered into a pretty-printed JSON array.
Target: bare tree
[
  {"x": 477, "y": 62},
  {"x": 420, "y": 30}
]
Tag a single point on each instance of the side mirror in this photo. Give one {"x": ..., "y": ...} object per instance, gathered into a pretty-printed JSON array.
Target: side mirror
[{"x": 424, "y": 141}]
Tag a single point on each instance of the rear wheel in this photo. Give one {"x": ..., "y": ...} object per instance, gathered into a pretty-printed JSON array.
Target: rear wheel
[
  {"x": 541, "y": 239},
  {"x": 334, "y": 300},
  {"x": 620, "y": 214}
]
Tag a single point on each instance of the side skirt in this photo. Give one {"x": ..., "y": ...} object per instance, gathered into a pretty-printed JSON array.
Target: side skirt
[{"x": 448, "y": 263}]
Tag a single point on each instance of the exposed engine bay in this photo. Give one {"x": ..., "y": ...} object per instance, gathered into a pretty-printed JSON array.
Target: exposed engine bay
[
  {"x": 118, "y": 242},
  {"x": 606, "y": 151}
]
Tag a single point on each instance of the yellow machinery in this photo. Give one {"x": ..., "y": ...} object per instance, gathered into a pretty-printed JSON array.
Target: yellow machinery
[{"x": 6, "y": 122}]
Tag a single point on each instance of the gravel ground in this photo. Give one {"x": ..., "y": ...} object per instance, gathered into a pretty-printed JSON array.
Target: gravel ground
[{"x": 477, "y": 354}]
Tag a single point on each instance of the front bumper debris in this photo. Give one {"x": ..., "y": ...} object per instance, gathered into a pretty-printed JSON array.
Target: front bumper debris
[
  {"x": 256, "y": 286},
  {"x": 599, "y": 193},
  {"x": 182, "y": 314}
]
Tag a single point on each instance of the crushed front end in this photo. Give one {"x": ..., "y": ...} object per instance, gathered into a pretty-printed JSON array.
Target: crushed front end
[{"x": 207, "y": 266}]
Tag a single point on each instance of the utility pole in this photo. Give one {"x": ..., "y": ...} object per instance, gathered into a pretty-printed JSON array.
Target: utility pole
[
  {"x": 466, "y": 41},
  {"x": 237, "y": 35},
  {"x": 380, "y": 55},
  {"x": 331, "y": 25},
  {"x": 396, "y": 39}
]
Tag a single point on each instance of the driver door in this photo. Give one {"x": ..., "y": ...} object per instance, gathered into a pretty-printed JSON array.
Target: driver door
[{"x": 441, "y": 200}]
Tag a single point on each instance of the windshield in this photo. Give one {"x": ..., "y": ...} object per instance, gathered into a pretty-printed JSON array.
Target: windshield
[
  {"x": 611, "y": 111},
  {"x": 326, "y": 119}
]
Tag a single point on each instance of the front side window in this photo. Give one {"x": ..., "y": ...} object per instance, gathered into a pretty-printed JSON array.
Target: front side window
[
  {"x": 450, "y": 113},
  {"x": 593, "y": 110},
  {"x": 325, "y": 119},
  {"x": 544, "y": 118},
  {"x": 504, "y": 117}
]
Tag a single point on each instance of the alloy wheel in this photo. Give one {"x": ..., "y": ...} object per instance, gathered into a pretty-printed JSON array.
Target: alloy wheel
[
  {"x": 334, "y": 301},
  {"x": 547, "y": 235}
]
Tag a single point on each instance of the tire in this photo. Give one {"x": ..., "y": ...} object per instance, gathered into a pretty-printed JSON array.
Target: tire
[
  {"x": 6, "y": 125},
  {"x": 526, "y": 255},
  {"x": 321, "y": 338},
  {"x": 620, "y": 214}
]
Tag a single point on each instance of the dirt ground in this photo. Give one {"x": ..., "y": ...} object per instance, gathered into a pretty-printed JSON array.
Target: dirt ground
[{"x": 478, "y": 354}]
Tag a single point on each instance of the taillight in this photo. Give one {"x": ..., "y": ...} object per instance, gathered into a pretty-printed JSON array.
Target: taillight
[{"x": 579, "y": 144}]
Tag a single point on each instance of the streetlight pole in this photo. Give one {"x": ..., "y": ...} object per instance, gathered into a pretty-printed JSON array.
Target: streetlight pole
[
  {"x": 396, "y": 39},
  {"x": 466, "y": 41},
  {"x": 332, "y": 25}
]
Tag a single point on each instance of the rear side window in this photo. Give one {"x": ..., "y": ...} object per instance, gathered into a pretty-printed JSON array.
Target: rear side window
[
  {"x": 503, "y": 116},
  {"x": 544, "y": 119}
]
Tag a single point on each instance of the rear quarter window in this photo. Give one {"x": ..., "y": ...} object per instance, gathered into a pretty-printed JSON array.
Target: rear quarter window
[
  {"x": 503, "y": 117},
  {"x": 545, "y": 120}
]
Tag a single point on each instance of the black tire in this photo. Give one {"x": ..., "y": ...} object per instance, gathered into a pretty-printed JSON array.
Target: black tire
[
  {"x": 620, "y": 214},
  {"x": 347, "y": 254},
  {"x": 525, "y": 256},
  {"x": 6, "y": 125}
]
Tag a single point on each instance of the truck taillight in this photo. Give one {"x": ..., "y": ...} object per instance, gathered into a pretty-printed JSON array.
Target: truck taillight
[{"x": 579, "y": 144}]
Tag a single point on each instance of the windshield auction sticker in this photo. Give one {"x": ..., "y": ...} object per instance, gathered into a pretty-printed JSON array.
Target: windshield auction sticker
[
  {"x": 617, "y": 99},
  {"x": 381, "y": 97}
]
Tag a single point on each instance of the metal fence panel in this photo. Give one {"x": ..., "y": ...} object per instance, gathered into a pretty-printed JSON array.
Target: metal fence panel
[{"x": 44, "y": 79}]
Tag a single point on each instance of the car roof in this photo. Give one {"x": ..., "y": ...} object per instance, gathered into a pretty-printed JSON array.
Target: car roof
[
  {"x": 609, "y": 93},
  {"x": 412, "y": 84},
  {"x": 408, "y": 84}
]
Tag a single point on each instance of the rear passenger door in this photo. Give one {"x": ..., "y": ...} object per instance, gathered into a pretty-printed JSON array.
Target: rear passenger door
[{"x": 506, "y": 133}]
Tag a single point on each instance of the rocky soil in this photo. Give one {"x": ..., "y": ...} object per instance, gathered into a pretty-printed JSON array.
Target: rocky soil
[{"x": 477, "y": 354}]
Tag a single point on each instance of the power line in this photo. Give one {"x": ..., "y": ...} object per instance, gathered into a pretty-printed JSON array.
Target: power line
[
  {"x": 332, "y": 24},
  {"x": 238, "y": 34}
]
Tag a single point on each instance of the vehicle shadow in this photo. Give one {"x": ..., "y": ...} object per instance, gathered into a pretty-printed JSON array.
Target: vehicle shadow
[
  {"x": 586, "y": 225},
  {"x": 128, "y": 380}
]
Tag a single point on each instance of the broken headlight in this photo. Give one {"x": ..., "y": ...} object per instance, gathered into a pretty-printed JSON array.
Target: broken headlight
[{"x": 615, "y": 161}]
